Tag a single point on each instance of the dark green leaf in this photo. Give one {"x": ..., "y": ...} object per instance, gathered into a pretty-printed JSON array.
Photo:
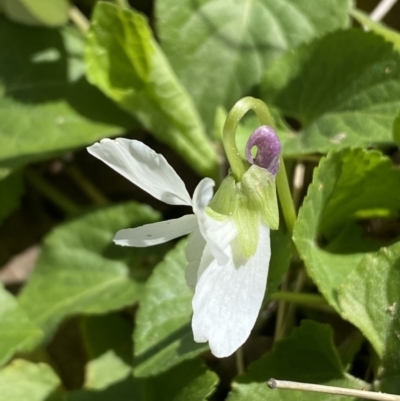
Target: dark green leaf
[
  {"x": 348, "y": 188},
  {"x": 47, "y": 107},
  {"x": 220, "y": 48},
  {"x": 308, "y": 355},
  {"x": 380, "y": 29},
  {"x": 343, "y": 89},
  {"x": 11, "y": 189},
  {"x": 125, "y": 62},
  {"x": 80, "y": 270},
  {"x": 163, "y": 335}
]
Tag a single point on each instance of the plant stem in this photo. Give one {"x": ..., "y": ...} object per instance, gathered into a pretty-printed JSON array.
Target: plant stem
[
  {"x": 86, "y": 186},
  {"x": 240, "y": 361},
  {"x": 318, "y": 388},
  {"x": 52, "y": 193},
  {"x": 238, "y": 168},
  {"x": 299, "y": 298},
  {"x": 80, "y": 21}
]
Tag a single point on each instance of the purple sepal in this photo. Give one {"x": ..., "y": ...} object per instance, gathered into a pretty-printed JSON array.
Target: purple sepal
[{"x": 268, "y": 149}]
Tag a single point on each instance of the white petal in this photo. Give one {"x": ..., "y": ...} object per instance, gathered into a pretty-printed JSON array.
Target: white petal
[
  {"x": 193, "y": 252},
  {"x": 156, "y": 233},
  {"x": 144, "y": 167},
  {"x": 228, "y": 298},
  {"x": 218, "y": 234}
]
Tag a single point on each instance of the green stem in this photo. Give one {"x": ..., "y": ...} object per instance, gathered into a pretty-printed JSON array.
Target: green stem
[
  {"x": 239, "y": 354},
  {"x": 86, "y": 186},
  {"x": 299, "y": 298},
  {"x": 238, "y": 168},
  {"x": 53, "y": 194}
]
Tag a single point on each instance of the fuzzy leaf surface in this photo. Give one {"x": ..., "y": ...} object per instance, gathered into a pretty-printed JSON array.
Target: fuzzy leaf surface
[
  {"x": 349, "y": 187},
  {"x": 80, "y": 269},
  {"x": 309, "y": 356},
  {"x": 126, "y": 63},
  {"x": 46, "y": 105},
  {"x": 220, "y": 48},
  {"x": 17, "y": 332},
  {"x": 343, "y": 89},
  {"x": 163, "y": 335}
]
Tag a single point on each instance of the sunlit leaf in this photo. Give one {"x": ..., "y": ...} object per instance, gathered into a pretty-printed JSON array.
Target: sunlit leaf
[
  {"x": 126, "y": 63},
  {"x": 370, "y": 300},
  {"x": 80, "y": 269},
  {"x": 17, "y": 332},
  {"x": 349, "y": 188},
  {"x": 26, "y": 381},
  {"x": 46, "y": 105},
  {"x": 309, "y": 356},
  {"x": 37, "y": 12},
  {"x": 163, "y": 335},
  {"x": 343, "y": 90},
  {"x": 220, "y": 48}
]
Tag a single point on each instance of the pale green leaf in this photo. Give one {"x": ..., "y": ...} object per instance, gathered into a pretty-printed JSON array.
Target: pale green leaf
[
  {"x": 368, "y": 297},
  {"x": 26, "y": 381},
  {"x": 220, "y": 48},
  {"x": 309, "y": 356},
  {"x": 163, "y": 335},
  {"x": 80, "y": 269},
  {"x": 343, "y": 89},
  {"x": 37, "y": 12},
  {"x": 17, "y": 332},
  {"x": 348, "y": 187},
  {"x": 125, "y": 62},
  {"x": 46, "y": 105}
]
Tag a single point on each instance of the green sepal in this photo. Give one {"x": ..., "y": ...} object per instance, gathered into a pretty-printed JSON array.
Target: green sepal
[
  {"x": 258, "y": 186},
  {"x": 247, "y": 221},
  {"x": 224, "y": 201}
]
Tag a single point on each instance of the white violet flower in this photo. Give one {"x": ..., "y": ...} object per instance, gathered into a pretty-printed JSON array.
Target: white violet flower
[{"x": 228, "y": 251}]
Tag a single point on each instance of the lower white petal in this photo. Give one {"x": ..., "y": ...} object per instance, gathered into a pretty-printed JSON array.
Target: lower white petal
[
  {"x": 156, "y": 233},
  {"x": 218, "y": 234},
  {"x": 193, "y": 252},
  {"x": 228, "y": 297}
]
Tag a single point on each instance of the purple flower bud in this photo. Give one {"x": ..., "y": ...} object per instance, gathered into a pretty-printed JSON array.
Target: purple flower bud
[{"x": 268, "y": 149}]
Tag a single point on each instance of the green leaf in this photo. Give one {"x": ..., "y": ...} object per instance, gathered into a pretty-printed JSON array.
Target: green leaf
[
  {"x": 219, "y": 48},
  {"x": 37, "y": 12},
  {"x": 380, "y": 29},
  {"x": 369, "y": 299},
  {"x": 308, "y": 355},
  {"x": 46, "y": 105},
  {"x": 125, "y": 62},
  {"x": 343, "y": 89},
  {"x": 348, "y": 187},
  {"x": 11, "y": 189},
  {"x": 108, "y": 343},
  {"x": 80, "y": 270},
  {"x": 189, "y": 381},
  {"x": 17, "y": 332},
  {"x": 163, "y": 335},
  {"x": 26, "y": 381}
]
